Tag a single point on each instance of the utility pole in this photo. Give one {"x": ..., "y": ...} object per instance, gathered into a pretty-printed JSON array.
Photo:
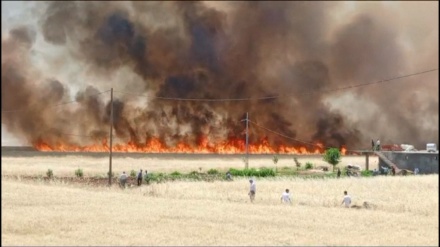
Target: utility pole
[
  {"x": 247, "y": 140},
  {"x": 111, "y": 138}
]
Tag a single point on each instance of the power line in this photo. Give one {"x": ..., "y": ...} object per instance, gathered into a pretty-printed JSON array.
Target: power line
[
  {"x": 279, "y": 95},
  {"x": 64, "y": 103}
]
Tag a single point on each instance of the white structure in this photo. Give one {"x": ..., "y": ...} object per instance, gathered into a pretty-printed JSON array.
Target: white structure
[{"x": 431, "y": 147}]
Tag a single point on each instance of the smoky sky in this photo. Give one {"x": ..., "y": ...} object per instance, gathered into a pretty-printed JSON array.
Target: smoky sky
[{"x": 193, "y": 50}]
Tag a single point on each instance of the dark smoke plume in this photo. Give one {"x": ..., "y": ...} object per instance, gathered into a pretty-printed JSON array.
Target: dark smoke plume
[{"x": 194, "y": 50}]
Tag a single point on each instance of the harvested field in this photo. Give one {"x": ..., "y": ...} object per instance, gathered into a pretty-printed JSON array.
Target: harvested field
[{"x": 403, "y": 210}]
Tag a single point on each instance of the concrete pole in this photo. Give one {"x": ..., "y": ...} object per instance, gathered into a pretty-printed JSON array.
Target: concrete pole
[
  {"x": 111, "y": 138},
  {"x": 366, "y": 161},
  {"x": 247, "y": 140}
]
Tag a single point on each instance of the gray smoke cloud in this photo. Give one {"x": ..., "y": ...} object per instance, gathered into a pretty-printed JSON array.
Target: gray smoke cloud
[{"x": 295, "y": 50}]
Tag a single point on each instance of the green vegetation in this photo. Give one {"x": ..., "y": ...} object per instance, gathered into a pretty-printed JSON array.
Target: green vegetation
[
  {"x": 49, "y": 173},
  {"x": 213, "y": 171},
  {"x": 309, "y": 166},
  {"x": 133, "y": 174},
  {"x": 79, "y": 173},
  {"x": 366, "y": 173},
  {"x": 176, "y": 174},
  {"x": 332, "y": 156},
  {"x": 252, "y": 172}
]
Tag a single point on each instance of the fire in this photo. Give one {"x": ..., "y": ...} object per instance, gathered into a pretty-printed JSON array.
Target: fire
[{"x": 155, "y": 145}]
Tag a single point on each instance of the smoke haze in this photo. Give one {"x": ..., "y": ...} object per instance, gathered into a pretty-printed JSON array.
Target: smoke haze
[{"x": 298, "y": 51}]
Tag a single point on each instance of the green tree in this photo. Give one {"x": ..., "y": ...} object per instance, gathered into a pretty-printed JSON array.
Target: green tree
[
  {"x": 332, "y": 156},
  {"x": 275, "y": 161}
]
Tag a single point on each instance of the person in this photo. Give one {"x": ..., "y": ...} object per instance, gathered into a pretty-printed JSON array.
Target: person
[
  {"x": 339, "y": 173},
  {"x": 375, "y": 172},
  {"x": 139, "y": 178},
  {"x": 385, "y": 170},
  {"x": 228, "y": 176},
  {"x": 252, "y": 190},
  {"x": 393, "y": 170},
  {"x": 378, "y": 145},
  {"x": 123, "y": 179},
  {"x": 372, "y": 144},
  {"x": 416, "y": 171},
  {"x": 346, "y": 200},
  {"x": 285, "y": 197}
]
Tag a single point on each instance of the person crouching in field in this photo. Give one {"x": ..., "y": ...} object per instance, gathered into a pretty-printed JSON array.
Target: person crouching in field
[
  {"x": 252, "y": 190},
  {"x": 285, "y": 197},
  {"x": 346, "y": 200},
  {"x": 123, "y": 180},
  {"x": 139, "y": 178}
]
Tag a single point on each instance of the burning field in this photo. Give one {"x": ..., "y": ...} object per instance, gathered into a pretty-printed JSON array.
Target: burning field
[{"x": 185, "y": 74}]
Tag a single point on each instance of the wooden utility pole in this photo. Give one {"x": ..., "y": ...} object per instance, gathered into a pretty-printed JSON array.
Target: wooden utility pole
[
  {"x": 247, "y": 140},
  {"x": 111, "y": 138}
]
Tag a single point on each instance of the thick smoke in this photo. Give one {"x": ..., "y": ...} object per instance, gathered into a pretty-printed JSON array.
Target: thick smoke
[{"x": 194, "y": 50}]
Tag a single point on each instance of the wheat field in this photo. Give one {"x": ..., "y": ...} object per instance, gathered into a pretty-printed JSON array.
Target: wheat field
[
  {"x": 65, "y": 166},
  {"x": 405, "y": 212}
]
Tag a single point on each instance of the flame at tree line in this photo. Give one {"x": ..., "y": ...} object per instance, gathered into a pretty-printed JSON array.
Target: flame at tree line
[{"x": 154, "y": 145}]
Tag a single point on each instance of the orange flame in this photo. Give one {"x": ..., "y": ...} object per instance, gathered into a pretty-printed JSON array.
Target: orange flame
[{"x": 154, "y": 145}]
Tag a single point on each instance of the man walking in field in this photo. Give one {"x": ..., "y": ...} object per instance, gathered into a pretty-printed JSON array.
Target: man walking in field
[
  {"x": 252, "y": 190},
  {"x": 123, "y": 179},
  {"x": 346, "y": 200},
  {"x": 285, "y": 197},
  {"x": 139, "y": 178}
]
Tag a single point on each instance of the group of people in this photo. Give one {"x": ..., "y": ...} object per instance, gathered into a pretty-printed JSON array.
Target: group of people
[
  {"x": 123, "y": 178},
  {"x": 285, "y": 196},
  {"x": 385, "y": 171}
]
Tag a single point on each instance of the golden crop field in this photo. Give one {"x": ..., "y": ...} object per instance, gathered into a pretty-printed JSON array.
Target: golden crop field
[{"x": 404, "y": 211}]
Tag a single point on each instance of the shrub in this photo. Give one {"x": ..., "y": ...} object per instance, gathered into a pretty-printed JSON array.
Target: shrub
[
  {"x": 147, "y": 178},
  {"x": 79, "y": 173},
  {"x": 309, "y": 165},
  {"x": 49, "y": 173},
  {"x": 262, "y": 172},
  {"x": 159, "y": 177},
  {"x": 236, "y": 172},
  {"x": 366, "y": 173},
  {"x": 176, "y": 174},
  {"x": 133, "y": 173},
  {"x": 212, "y": 171},
  {"x": 108, "y": 174},
  {"x": 266, "y": 172}
]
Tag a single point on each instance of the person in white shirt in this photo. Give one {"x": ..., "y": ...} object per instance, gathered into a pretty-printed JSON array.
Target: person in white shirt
[
  {"x": 416, "y": 171},
  {"x": 285, "y": 197},
  {"x": 346, "y": 200},
  {"x": 252, "y": 190},
  {"x": 123, "y": 179}
]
